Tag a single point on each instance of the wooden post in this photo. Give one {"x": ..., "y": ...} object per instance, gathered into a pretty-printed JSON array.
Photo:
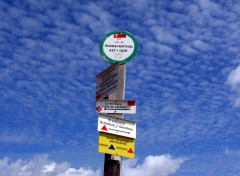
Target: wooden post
[
  {"x": 112, "y": 164},
  {"x": 111, "y": 167}
]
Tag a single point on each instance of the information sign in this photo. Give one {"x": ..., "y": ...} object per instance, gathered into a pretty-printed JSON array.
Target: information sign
[
  {"x": 115, "y": 125},
  {"x": 116, "y": 106},
  {"x": 116, "y": 145},
  {"x": 107, "y": 81},
  {"x": 118, "y": 46}
]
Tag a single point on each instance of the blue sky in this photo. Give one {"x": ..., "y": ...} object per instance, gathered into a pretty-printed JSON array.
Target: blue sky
[{"x": 185, "y": 79}]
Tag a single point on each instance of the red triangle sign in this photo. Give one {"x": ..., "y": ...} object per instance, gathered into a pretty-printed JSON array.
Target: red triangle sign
[
  {"x": 130, "y": 151},
  {"x": 104, "y": 128}
]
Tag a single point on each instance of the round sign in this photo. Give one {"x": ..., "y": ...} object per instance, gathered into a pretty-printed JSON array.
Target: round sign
[{"x": 118, "y": 46}]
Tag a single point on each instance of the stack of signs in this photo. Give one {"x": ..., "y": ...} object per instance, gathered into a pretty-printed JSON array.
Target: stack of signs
[{"x": 116, "y": 135}]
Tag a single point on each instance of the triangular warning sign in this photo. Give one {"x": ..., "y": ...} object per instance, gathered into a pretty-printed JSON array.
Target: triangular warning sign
[
  {"x": 104, "y": 128},
  {"x": 130, "y": 150},
  {"x": 111, "y": 147}
]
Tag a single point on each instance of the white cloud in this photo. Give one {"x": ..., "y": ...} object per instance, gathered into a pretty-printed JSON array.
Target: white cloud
[
  {"x": 234, "y": 77},
  {"x": 232, "y": 152},
  {"x": 200, "y": 45},
  {"x": 163, "y": 35},
  {"x": 187, "y": 50},
  {"x": 30, "y": 23},
  {"x": 233, "y": 81},
  {"x": 49, "y": 168},
  {"x": 162, "y": 165},
  {"x": 41, "y": 165},
  {"x": 209, "y": 6}
]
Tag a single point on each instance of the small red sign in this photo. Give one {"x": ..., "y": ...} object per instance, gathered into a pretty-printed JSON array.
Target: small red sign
[
  {"x": 99, "y": 109},
  {"x": 119, "y": 36},
  {"x": 131, "y": 103}
]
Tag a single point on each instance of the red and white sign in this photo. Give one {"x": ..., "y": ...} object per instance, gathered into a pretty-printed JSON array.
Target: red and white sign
[
  {"x": 118, "y": 35},
  {"x": 107, "y": 81},
  {"x": 116, "y": 106},
  {"x": 118, "y": 126}
]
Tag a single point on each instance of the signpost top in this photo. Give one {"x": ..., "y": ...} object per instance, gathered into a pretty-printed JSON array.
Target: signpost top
[{"x": 118, "y": 46}]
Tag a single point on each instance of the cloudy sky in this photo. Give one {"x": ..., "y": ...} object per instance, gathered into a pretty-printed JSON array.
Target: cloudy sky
[{"x": 185, "y": 79}]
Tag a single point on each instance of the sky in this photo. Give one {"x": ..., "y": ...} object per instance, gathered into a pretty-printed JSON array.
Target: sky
[{"x": 185, "y": 79}]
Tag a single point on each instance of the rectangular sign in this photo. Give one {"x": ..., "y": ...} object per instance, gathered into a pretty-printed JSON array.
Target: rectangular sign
[
  {"x": 115, "y": 125},
  {"x": 116, "y": 145},
  {"x": 116, "y": 106},
  {"x": 107, "y": 81},
  {"x": 119, "y": 36}
]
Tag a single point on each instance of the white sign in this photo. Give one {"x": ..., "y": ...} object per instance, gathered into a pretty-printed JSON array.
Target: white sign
[
  {"x": 107, "y": 81},
  {"x": 116, "y": 106},
  {"x": 118, "y": 126},
  {"x": 118, "y": 46}
]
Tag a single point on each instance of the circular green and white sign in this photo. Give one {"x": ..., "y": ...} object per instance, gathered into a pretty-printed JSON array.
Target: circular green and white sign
[{"x": 118, "y": 46}]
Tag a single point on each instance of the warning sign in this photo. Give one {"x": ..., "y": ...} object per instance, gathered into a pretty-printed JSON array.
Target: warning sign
[{"x": 116, "y": 145}]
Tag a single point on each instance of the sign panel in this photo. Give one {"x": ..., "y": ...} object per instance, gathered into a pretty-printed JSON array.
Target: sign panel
[
  {"x": 107, "y": 81},
  {"x": 114, "y": 125},
  {"x": 116, "y": 145},
  {"x": 118, "y": 46},
  {"x": 116, "y": 106}
]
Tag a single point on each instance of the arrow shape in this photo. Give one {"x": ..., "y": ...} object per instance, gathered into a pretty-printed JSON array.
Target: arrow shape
[{"x": 119, "y": 131}]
